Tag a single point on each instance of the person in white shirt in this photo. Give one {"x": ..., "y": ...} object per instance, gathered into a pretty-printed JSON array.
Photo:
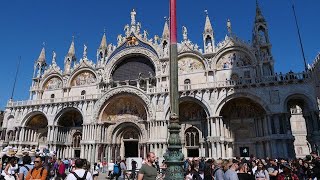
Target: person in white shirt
[
  {"x": 79, "y": 172},
  {"x": 110, "y": 167}
]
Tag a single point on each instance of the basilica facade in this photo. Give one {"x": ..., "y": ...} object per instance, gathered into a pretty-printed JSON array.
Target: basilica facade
[{"x": 232, "y": 102}]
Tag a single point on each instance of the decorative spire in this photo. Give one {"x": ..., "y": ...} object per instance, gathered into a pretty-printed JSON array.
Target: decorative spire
[
  {"x": 259, "y": 16},
  {"x": 229, "y": 26},
  {"x": 207, "y": 27},
  {"x": 42, "y": 57},
  {"x": 166, "y": 32},
  {"x": 71, "y": 51},
  {"x": 103, "y": 43}
]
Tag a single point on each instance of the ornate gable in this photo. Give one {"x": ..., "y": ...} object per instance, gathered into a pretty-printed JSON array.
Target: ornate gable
[
  {"x": 132, "y": 41},
  {"x": 53, "y": 69}
]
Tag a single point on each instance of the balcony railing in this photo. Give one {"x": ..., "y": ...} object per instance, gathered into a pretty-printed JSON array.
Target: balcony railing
[
  {"x": 149, "y": 86},
  {"x": 53, "y": 100}
]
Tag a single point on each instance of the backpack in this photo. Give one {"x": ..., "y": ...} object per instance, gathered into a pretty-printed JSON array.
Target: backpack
[
  {"x": 116, "y": 169},
  {"x": 79, "y": 178},
  {"x": 42, "y": 168}
]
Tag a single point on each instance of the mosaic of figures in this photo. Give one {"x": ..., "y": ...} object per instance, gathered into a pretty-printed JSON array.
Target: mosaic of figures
[
  {"x": 53, "y": 83},
  {"x": 84, "y": 78},
  {"x": 189, "y": 65},
  {"x": 124, "y": 108},
  {"x": 233, "y": 59},
  {"x": 190, "y": 111}
]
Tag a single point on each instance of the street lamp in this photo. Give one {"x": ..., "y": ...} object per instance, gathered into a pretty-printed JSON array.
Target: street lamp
[{"x": 173, "y": 156}]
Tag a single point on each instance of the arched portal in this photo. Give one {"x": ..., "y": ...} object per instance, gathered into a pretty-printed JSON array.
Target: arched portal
[
  {"x": 76, "y": 138},
  {"x": 243, "y": 121},
  {"x": 193, "y": 118},
  {"x": 69, "y": 133},
  {"x": 126, "y": 141},
  {"x": 36, "y": 130},
  {"x": 192, "y": 142}
]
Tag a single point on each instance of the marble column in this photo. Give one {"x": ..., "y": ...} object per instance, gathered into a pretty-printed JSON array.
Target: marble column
[
  {"x": 209, "y": 126},
  {"x": 213, "y": 127},
  {"x": 219, "y": 150}
]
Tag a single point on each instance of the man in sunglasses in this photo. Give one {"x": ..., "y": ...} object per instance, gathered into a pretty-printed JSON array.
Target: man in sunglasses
[{"x": 38, "y": 172}]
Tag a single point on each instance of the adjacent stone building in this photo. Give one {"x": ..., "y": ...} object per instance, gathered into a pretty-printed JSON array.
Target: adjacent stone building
[{"x": 232, "y": 102}]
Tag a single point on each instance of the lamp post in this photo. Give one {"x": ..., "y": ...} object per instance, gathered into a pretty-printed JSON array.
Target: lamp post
[{"x": 173, "y": 156}]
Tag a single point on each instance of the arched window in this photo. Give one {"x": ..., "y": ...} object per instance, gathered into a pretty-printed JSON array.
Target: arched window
[
  {"x": 192, "y": 137},
  {"x": 52, "y": 97},
  {"x": 208, "y": 41},
  {"x": 262, "y": 36},
  {"x": 76, "y": 140},
  {"x": 83, "y": 92},
  {"x": 187, "y": 84}
]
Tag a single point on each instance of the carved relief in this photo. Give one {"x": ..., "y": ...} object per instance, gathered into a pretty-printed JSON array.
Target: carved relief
[
  {"x": 160, "y": 106},
  {"x": 53, "y": 83},
  {"x": 233, "y": 59},
  {"x": 84, "y": 78},
  {"x": 189, "y": 65}
]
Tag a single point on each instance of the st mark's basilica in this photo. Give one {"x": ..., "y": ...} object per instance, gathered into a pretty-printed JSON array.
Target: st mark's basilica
[{"x": 232, "y": 102}]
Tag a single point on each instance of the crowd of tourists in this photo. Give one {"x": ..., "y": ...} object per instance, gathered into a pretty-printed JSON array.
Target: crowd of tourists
[
  {"x": 253, "y": 168},
  {"x": 48, "y": 166}
]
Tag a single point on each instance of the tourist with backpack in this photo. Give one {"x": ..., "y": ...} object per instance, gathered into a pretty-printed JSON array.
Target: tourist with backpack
[
  {"x": 38, "y": 172},
  {"x": 79, "y": 173},
  {"x": 116, "y": 170},
  {"x": 25, "y": 168}
]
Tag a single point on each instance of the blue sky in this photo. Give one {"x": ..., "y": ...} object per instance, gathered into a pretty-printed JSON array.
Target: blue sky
[{"x": 25, "y": 25}]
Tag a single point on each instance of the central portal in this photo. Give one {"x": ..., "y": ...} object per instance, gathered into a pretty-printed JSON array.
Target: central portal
[
  {"x": 130, "y": 142},
  {"x": 130, "y": 149}
]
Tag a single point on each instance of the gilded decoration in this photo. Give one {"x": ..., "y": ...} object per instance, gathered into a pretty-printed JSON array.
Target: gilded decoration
[
  {"x": 242, "y": 108},
  {"x": 191, "y": 111},
  {"x": 189, "y": 65},
  {"x": 84, "y": 78},
  {"x": 124, "y": 107},
  {"x": 37, "y": 121},
  {"x": 233, "y": 59},
  {"x": 53, "y": 83},
  {"x": 132, "y": 41}
]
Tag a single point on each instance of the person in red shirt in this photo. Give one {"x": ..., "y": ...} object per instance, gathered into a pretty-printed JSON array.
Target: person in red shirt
[
  {"x": 61, "y": 170},
  {"x": 287, "y": 174},
  {"x": 104, "y": 166}
]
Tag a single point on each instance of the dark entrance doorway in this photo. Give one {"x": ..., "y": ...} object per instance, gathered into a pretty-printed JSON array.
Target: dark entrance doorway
[
  {"x": 77, "y": 153},
  {"x": 193, "y": 152},
  {"x": 131, "y": 149}
]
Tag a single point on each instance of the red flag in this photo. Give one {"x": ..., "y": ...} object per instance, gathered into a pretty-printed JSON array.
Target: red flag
[{"x": 173, "y": 22}]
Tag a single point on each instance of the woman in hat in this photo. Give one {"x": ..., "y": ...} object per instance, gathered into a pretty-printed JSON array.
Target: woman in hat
[{"x": 11, "y": 169}]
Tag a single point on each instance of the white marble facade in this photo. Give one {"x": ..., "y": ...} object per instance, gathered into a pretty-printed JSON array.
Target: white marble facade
[{"x": 230, "y": 100}]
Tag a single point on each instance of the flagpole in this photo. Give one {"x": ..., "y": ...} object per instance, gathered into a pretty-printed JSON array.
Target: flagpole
[
  {"x": 301, "y": 46},
  {"x": 15, "y": 79},
  {"x": 173, "y": 156}
]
